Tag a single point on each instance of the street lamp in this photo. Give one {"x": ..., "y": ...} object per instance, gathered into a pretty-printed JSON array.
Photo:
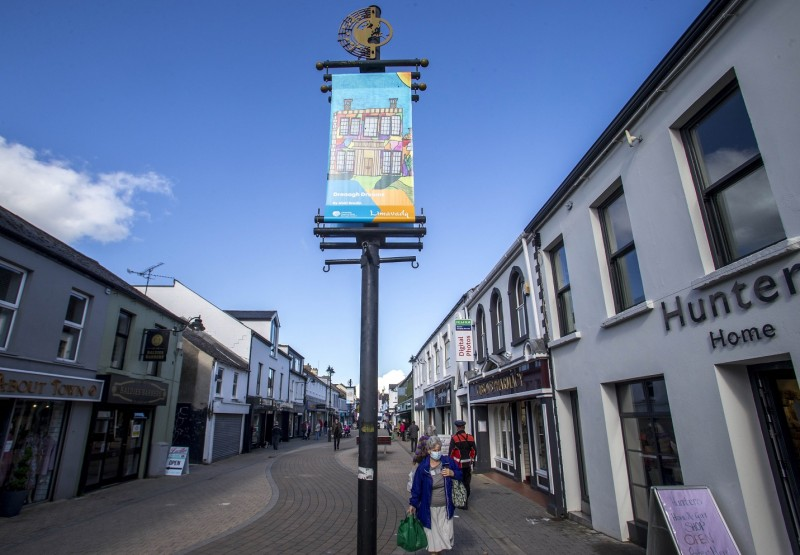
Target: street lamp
[
  {"x": 195, "y": 323},
  {"x": 330, "y": 372}
]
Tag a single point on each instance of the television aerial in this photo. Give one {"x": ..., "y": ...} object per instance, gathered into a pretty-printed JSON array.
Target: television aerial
[{"x": 148, "y": 274}]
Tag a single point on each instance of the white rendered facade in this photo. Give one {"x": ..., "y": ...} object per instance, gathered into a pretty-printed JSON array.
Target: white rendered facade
[{"x": 706, "y": 339}]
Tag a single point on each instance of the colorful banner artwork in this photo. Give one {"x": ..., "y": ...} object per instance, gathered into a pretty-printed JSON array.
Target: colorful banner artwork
[{"x": 370, "y": 164}]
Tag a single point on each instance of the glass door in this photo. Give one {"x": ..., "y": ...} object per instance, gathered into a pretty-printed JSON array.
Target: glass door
[
  {"x": 778, "y": 397},
  {"x": 114, "y": 450}
]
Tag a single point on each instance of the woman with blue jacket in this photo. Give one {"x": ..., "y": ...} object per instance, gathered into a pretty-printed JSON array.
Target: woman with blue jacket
[{"x": 432, "y": 496}]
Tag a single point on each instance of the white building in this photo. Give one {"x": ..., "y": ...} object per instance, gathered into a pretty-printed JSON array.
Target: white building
[
  {"x": 245, "y": 333},
  {"x": 671, "y": 270}
]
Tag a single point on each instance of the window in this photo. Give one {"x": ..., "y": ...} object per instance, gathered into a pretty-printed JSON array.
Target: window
[
  {"x": 447, "y": 351},
  {"x": 73, "y": 327},
  {"x": 345, "y": 160},
  {"x": 235, "y": 387},
  {"x": 280, "y": 387},
  {"x": 540, "y": 435},
  {"x": 430, "y": 367},
  {"x": 349, "y": 126},
  {"x": 564, "y": 309},
  {"x": 371, "y": 127},
  {"x": 12, "y": 281},
  {"x": 271, "y": 382},
  {"x": 437, "y": 361},
  {"x": 496, "y": 314},
  {"x": 386, "y": 125},
  {"x": 740, "y": 212},
  {"x": 390, "y": 162},
  {"x": 121, "y": 339},
  {"x": 626, "y": 280},
  {"x": 480, "y": 328},
  {"x": 516, "y": 296},
  {"x": 258, "y": 378},
  {"x": 220, "y": 372},
  {"x": 650, "y": 447}
]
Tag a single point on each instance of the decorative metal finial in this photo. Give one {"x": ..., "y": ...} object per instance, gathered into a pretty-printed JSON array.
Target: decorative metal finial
[{"x": 363, "y": 32}]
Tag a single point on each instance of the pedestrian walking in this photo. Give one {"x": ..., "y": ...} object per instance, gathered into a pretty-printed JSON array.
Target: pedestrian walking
[
  {"x": 402, "y": 429},
  {"x": 462, "y": 451},
  {"x": 318, "y": 429},
  {"x": 306, "y": 430},
  {"x": 413, "y": 435},
  {"x": 276, "y": 435},
  {"x": 432, "y": 496},
  {"x": 337, "y": 433}
]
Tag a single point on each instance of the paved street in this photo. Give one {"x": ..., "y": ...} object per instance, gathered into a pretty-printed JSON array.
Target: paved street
[{"x": 300, "y": 499}]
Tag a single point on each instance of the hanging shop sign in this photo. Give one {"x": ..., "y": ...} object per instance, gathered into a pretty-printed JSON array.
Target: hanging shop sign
[
  {"x": 40, "y": 385},
  {"x": 464, "y": 341},
  {"x": 527, "y": 377},
  {"x": 370, "y": 160},
  {"x": 129, "y": 391},
  {"x": 155, "y": 345}
]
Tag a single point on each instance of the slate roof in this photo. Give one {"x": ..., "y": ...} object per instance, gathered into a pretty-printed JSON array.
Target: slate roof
[{"x": 28, "y": 235}]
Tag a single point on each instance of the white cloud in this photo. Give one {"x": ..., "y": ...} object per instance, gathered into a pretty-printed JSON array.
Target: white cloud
[
  {"x": 391, "y": 377},
  {"x": 68, "y": 203}
]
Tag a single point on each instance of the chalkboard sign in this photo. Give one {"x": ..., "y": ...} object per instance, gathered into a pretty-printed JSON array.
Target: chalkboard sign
[{"x": 686, "y": 520}]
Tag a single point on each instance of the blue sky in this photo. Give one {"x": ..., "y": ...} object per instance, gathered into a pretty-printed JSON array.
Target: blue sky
[{"x": 194, "y": 134}]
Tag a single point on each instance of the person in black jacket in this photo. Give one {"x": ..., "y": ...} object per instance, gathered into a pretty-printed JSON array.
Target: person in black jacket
[{"x": 276, "y": 435}]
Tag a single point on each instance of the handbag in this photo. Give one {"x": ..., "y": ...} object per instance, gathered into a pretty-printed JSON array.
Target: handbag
[
  {"x": 459, "y": 494},
  {"x": 411, "y": 535}
]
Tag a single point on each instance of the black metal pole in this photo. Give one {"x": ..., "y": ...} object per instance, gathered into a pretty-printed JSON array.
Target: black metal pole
[{"x": 368, "y": 420}]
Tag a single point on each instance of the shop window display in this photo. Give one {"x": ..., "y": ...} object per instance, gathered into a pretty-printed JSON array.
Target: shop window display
[{"x": 36, "y": 425}]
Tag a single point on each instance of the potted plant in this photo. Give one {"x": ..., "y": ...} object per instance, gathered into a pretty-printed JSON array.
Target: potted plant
[{"x": 15, "y": 491}]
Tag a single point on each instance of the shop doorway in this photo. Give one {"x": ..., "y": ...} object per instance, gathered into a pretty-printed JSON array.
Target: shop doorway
[
  {"x": 778, "y": 398},
  {"x": 114, "y": 449}
]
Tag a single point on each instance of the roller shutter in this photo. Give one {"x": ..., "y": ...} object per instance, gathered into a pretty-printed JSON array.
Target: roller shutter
[{"x": 227, "y": 435}]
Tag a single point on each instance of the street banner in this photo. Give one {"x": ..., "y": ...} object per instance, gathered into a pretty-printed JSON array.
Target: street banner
[
  {"x": 370, "y": 162},
  {"x": 464, "y": 341}
]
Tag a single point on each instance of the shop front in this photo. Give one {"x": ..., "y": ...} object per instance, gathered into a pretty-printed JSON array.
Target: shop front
[
  {"x": 120, "y": 431},
  {"x": 514, "y": 426},
  {"x": 43, "y": 420}
]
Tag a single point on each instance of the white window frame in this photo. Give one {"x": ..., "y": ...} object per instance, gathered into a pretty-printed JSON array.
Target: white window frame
[
  {"x": 74, "y": 327},
  {"x": 9, "y": 306}
]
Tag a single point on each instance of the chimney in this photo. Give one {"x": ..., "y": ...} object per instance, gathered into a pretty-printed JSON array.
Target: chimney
[
  {"x": 347, "y": 103},
  {"x": 392, "y": 103}
]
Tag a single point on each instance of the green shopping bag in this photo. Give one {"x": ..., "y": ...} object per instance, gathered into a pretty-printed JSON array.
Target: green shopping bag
[{"x": 411, "y": 534}]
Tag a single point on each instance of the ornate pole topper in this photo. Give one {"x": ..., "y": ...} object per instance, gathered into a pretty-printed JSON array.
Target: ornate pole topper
[
  {"x": 363, "y": 32},
  {"x": 370, "y": 203}
]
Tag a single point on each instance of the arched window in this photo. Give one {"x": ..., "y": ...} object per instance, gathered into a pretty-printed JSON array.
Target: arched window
[
  {"x": 496, "y": 314},
  {"x": 519, "y": 314},
  {"x": 483, "y": 346}
]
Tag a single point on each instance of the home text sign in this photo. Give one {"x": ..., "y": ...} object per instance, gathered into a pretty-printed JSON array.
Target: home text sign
[{"x": 692, "y": 519}]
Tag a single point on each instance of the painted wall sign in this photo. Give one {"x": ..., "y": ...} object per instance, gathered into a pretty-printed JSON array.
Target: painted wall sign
[
  {"x": 370, "y": 160},
  {"x": 464, "y": 351},
  {"x": 690, "y": 518},
  {"x": 40, "y": 385}
]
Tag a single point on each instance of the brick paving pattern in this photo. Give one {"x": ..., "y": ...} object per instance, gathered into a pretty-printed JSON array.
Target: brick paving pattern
[{"x": 302, "y": 498}]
